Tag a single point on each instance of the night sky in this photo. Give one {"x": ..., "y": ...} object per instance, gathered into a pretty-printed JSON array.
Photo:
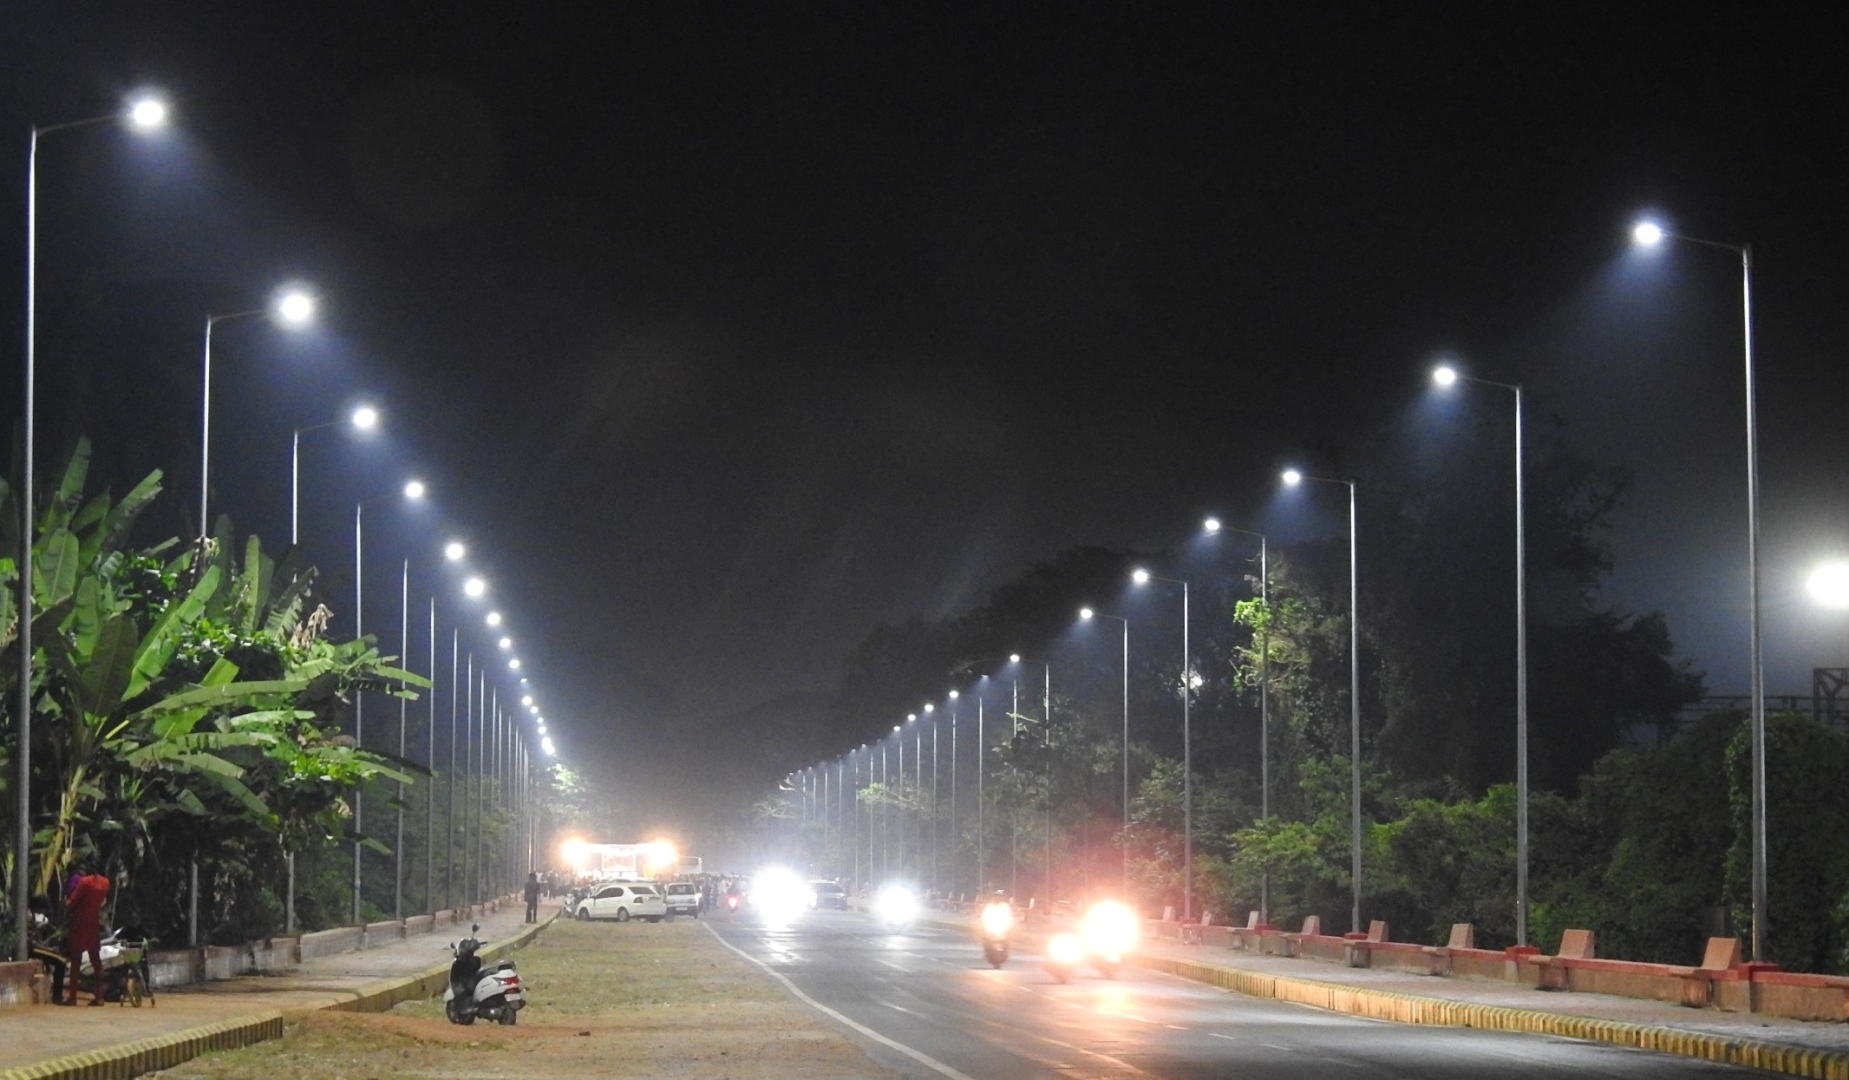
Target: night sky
[{"x": 725, "y": 333}]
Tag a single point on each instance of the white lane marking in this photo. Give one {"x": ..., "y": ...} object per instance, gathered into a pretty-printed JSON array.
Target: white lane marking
[
  {"x": 1228, "y": 1038},
  {"x": 1174, "y": 1027},
  {"x": 919, "y": 1056},
  {"x": 1275, "y": 1046}
]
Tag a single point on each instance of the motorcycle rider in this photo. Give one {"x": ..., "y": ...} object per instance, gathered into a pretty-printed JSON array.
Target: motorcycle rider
[{"x": 45, "y": 951}]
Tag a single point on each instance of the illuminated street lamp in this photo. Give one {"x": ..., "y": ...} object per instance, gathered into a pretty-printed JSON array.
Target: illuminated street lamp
[
  {"x": 1088, "y": 614},
  {"x": 1292, "y": 478},
  {"x": 143, "y": 113},
  {"x": 292, "y": 308},
  {"x": 414, "y": 490},
  {"x": 365, "y": 418},
  {"x": 454, "y": 551},
  {"x": 475, "y": 588},
  {"x": 1829, "y": 585},
  {"x": 1188, "y": 685},
  {"x": 493, "y": 618},
  {"x": 1447, "y": 376},
  {"x": 1651, "y": 234}
]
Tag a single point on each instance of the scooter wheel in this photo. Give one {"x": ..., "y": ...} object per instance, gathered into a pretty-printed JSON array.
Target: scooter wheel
[
  {"x": 509, "y": 1017},
  {"x": 457, "y": 1016}
]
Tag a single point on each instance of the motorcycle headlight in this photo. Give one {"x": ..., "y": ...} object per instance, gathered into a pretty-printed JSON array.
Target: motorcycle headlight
[
  {"x": 1065, "y": 949},
  {"x": 997, "y": 919},
  {"x": 1109, "y": 928}
]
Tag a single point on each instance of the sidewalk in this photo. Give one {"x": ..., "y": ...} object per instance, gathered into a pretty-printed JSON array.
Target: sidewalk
[
  {"x": 43, "y": 1041},
  {"x": 1793, "y": 1047}
]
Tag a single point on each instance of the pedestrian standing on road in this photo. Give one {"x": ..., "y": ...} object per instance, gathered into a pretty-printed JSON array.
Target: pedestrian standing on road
[
  {"x": 84, "y": 897},
  {"x": 532, "y": 897}
]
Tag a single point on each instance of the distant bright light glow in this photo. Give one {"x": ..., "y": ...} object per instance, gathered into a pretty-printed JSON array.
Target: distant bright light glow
[
  {"x": 930, "y": 708},
  {"x": 514, "y": 664},
  {"x": 1140, "y": 576},
  {"x": 527, "y": 700},
  {"x": 953, "y": 695},
  {"x": 779, "y": 896},
  {"x": 365, "y": 418},
  {"x": 1014, "y": 658},
  {"x": 1292, "y": 477},
  {"x": 1829, "y": 585},
  {"x": 1086, "y": 613},
  {"x": 295, "y": 308},
  {"x": 147, "y": 113},
  {"x": 506, "y": 643},
  {"x": 909, "y": 717},
  {"x": 895, "y": 727},
  {"x": 534, "y": 709},
  {"x": 1647, "y": 233},
  {"x": 546, "y": 745},
  {"x": 475, "y": 587},
  {"x": 896, "y": 906},
  {"x": 414, "y": 489},
  {"x": 1212, "y": 525},
  {"x": 493, "y": 618},
  {"x": 1444, "y": 375}
]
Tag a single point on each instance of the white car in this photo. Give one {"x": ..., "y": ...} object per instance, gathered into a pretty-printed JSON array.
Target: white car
[
  {"x": 683, "y": 898},
  {"x": 623, "y": 901}
]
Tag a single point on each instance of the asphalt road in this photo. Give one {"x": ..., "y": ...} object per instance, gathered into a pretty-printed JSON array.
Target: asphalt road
[{"x": 926, "y": 1004}]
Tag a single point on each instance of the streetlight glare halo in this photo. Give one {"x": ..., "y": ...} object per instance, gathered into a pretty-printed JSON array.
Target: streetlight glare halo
[
  {"x": 475, "y": 587},
  {"x": 506, "y": 643},
  {"x": 527, "y": 700},
  {"x": 414, "y": 489},
  {"x": 1085, "y": 613},
  {"x": 1014, "y": 658},
  {"x": 365, "y": 417},
  {"x": 1291, "y": 477},
  {"x": 930, "y": 707},
  {"x": 514, "y": 664},
  {"x": 455, "y": 550},
  {"x": 1444, "y": 375},
  {"x": 1211, "y": 525},
  {"x": 1140, "y": 576},
  {"x": 953, "y": 695},
  {"x": 493, "y": 618},
  {"x": 1647, "y": 233},
  {"x": 1829, "y": 585}
]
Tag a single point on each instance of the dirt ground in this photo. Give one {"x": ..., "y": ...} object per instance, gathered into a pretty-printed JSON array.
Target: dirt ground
[{"x": 605, "y": 999}]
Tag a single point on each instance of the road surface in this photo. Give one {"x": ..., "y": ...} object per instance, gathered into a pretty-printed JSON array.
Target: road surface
[{"x": 926, "y": 1004}]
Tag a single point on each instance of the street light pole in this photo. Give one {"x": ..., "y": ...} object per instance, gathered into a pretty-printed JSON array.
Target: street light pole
[
  {"x": 1142, "y": 577},
  {"x": 1214, "y": 525},
  {"x": 1123, "y": 838},
  {"x": 1649, "y": 234},
  {"x": 1444, "y": 376},
  {"x": 145, "y": 114},
  {"x": 1292, "y": 477}
]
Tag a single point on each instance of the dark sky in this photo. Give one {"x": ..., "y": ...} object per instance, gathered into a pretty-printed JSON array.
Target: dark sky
[{"x": 725, "y": 333}]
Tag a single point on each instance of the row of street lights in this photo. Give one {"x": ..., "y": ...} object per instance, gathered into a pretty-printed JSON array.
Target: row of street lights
[
  {"x": 512, "y": 761},
  {"x": 1831, "y": 585}
]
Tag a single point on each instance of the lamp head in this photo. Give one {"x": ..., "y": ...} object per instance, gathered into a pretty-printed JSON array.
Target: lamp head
[
  {"x": 527, "y": 700},
  {"x": 493, "y": 618},
  {"x": 414, "y": 489},
  {"x": 895, "y": 727},
  {"x": 1829, "y": 585},
  {"x": 953, "y": 695},
  {"x": 1291, "y": 477},
  {"x": 454, "y": 551},
  {"x": 1444, "y": 375},
  {"x": 294, "y": 307},
  {"x": 147, "y": 113},
  {"x": 474, "y": 588},
  {"x": 1211, "y": 525},
  {"x": 1140, "y": 576},
  {"x": 1085, "y": 613},
  {"x": 365, "y": 418},
  {"x": 930, "y": 708},
  {"x": 1647, "y": 234},
  {"x": 506, "y": 643},
  {"x": 514, "y": 664},
  {"x": 1014, "y": 658}
]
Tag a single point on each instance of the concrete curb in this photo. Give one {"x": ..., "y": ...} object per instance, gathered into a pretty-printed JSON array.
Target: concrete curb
[
  {"x": 147, "y": 1055},
  {"x": 166, "y": 1051},
  {"x": 1413, "y": 1009}
]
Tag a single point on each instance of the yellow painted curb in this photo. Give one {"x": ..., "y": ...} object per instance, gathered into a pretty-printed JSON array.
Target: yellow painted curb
[
  {"x": 1413, "y": 1009},
  {"x": 147, "y": 1055},
  {"x": 166, "y": 1051}
]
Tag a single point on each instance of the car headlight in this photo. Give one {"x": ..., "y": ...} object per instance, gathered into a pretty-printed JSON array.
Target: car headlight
[{"x": 896, "y": 905}]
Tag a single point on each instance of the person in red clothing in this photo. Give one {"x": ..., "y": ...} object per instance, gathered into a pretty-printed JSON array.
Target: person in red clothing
[{"x": 84, "y": 896}]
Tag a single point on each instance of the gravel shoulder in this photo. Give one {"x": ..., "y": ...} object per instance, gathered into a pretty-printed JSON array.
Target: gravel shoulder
[{"x": 605, "y": 999}]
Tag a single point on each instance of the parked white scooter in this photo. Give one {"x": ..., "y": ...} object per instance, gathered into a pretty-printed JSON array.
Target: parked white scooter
[{"x": 494, "y": 993}]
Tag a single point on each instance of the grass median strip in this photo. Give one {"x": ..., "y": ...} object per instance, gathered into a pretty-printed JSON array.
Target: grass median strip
[{"x": 636, "y": 999}]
